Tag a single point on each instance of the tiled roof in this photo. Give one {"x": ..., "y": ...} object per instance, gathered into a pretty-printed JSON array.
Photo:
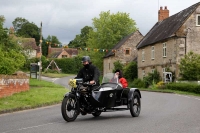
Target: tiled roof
[
  {"x": 70, "y": 51},
  {"x": 167, "y": 28},
  {"x": 55, "y": 54}
]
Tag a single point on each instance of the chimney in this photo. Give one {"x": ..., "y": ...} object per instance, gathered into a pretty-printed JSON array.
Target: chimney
[{"x": 163, "y": 13}]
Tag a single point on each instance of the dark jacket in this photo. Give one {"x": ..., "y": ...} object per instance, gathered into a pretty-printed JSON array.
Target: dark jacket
[{"x": 89, "y": 73}]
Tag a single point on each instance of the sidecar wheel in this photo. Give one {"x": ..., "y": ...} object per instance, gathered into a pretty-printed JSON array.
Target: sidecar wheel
[
  {"x": 96, "y": 114},
  {"x": 135, "y": 105},
  {"x": 68, "y": 109}
]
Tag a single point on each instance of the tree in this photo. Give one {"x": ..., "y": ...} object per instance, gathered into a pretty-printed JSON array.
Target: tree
[
  {"x": 80, "y": 39},
  {"x": 53, "y": 41},
  {"x": 18, "y": 22},
  {"x": 109, "y": 29},
  {"x": 190, "y": 66},
  {"x": 11, "y": 56},
  {"x": 29, "y": 30},
  {"x": 23, "y": 28}
]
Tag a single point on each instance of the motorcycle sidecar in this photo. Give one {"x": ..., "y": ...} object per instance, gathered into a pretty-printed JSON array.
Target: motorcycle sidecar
[{"x": 107, "y": 95}]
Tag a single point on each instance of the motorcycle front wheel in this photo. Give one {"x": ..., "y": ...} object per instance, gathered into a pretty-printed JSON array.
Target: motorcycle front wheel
[{"x": 68, "y": 109}]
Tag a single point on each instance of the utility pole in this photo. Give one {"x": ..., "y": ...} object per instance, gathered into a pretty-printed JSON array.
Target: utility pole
[{"x": 40, "y": 45}]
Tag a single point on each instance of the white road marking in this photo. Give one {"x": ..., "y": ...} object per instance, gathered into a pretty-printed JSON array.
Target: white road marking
[
  {"x": 53, "y": 80},
  {"x": 188, "y": 97},
  {"x": 25, "y": 128}
]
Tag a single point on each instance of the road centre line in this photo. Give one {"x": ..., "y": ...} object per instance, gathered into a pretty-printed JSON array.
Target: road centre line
[
  {"x": 188, "y": 97},
  {"x": 25, "y": 128}
]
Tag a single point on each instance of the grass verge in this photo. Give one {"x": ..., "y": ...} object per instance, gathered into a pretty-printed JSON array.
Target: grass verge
[{"x": 41, "y": 93}]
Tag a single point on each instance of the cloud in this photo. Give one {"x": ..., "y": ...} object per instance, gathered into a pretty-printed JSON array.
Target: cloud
[{"x": 65, "y": 18}]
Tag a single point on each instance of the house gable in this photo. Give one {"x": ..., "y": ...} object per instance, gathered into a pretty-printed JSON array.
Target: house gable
[
  {"x": 168, "y": 27},
  {"x": 62, "y": 52},
  {"x": 125, "y": 51},
  {"x": 170, "y": 46}
]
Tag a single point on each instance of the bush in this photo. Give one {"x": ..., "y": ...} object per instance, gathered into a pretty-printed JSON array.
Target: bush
[
  {"x": 118, "y": 65},
  {"x": 152, "y": 78},
  {"x": 138, "y": 83},
  {"x": 130, "y": 71},
  {"x": 188, "y": 87},
  {"x": 160, "y": 85}
]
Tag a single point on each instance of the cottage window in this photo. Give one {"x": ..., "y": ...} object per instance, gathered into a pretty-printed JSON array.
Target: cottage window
[
  {"x": 127, "y": 51},
  {"x": 64, "y": 56},
  {"x": 198, "y": 20},
  {"x": 152, "y": 52},
  {"x": 152, "y": 70},
  {"x": 143, "y": 55},
  {"x": 164, "y": 50}
]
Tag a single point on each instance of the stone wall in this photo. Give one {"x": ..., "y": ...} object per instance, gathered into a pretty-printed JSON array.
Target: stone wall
[{"x": 11, "y": 84}]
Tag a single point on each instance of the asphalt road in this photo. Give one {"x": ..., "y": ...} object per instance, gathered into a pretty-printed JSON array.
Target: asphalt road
[{"x": 161, "y": 113}]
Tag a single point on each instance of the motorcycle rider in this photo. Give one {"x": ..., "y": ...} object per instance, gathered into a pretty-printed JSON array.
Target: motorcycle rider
[{"x": 89, "y": 73}]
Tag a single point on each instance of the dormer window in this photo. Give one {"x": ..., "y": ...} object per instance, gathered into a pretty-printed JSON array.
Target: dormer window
[{"x": 198, "y": 20}]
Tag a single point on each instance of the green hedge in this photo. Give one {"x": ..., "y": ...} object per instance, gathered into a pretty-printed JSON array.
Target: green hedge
[
  {"x": 69, "y": 65},
  {"x": 188, "y": 87}
]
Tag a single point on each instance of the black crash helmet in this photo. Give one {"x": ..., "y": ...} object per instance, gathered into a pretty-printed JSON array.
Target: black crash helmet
[{"x": 86, "y": 58}]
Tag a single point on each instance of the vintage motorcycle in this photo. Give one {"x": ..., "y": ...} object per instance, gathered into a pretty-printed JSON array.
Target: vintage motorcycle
[{"x": 109, "y": 96}]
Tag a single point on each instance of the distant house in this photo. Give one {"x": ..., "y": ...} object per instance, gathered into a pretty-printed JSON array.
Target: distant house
[
  {"x": 124, "y": 51},
  {"x": 169, "y": 40},
  {"x": 61, "y": 52},
  {"x": 28, "y": 44}
]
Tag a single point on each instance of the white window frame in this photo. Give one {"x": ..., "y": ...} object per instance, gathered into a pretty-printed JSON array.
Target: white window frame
[
  {"x": 164, "y": 50},
  {"x": 152, "y": 52},
  {"x": 152, "y": 70},
  {"x": 143, "y": 73},
  {"x": 143, "y": 55},
  {"x": 198, "y": 20}
]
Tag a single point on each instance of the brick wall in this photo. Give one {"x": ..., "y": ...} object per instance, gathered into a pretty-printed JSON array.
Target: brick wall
[{"x": 10, "y": 84}]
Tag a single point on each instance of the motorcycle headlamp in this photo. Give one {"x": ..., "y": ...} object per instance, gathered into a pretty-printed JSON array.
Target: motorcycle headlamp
[{"x": 72, "y": 83}]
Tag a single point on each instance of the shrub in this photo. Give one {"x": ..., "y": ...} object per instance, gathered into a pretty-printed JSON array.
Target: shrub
[
  {"x": 130, "y": 71},
  {"x": 118, "y": 65},
  {"x": 160, "y": 85},
  {"x": 188, "y": 87},
  {"x": 137, "y": 83},
  {"x": 152, "y": 78}
]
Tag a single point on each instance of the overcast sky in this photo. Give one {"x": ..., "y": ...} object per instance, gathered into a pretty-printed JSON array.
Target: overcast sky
[{"x": 65, "y": 18}]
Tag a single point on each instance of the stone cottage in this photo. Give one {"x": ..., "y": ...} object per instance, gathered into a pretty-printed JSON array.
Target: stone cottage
[
  {"x": 124, "y": 51},
  {"x": 169, "y": 40}
]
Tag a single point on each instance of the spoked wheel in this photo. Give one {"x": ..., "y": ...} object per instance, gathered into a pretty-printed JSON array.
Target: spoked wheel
[
  {"x": 135, "y": 105},
  {"x": 68, "y": 109},
  {"x": 96, "y": 114}
]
